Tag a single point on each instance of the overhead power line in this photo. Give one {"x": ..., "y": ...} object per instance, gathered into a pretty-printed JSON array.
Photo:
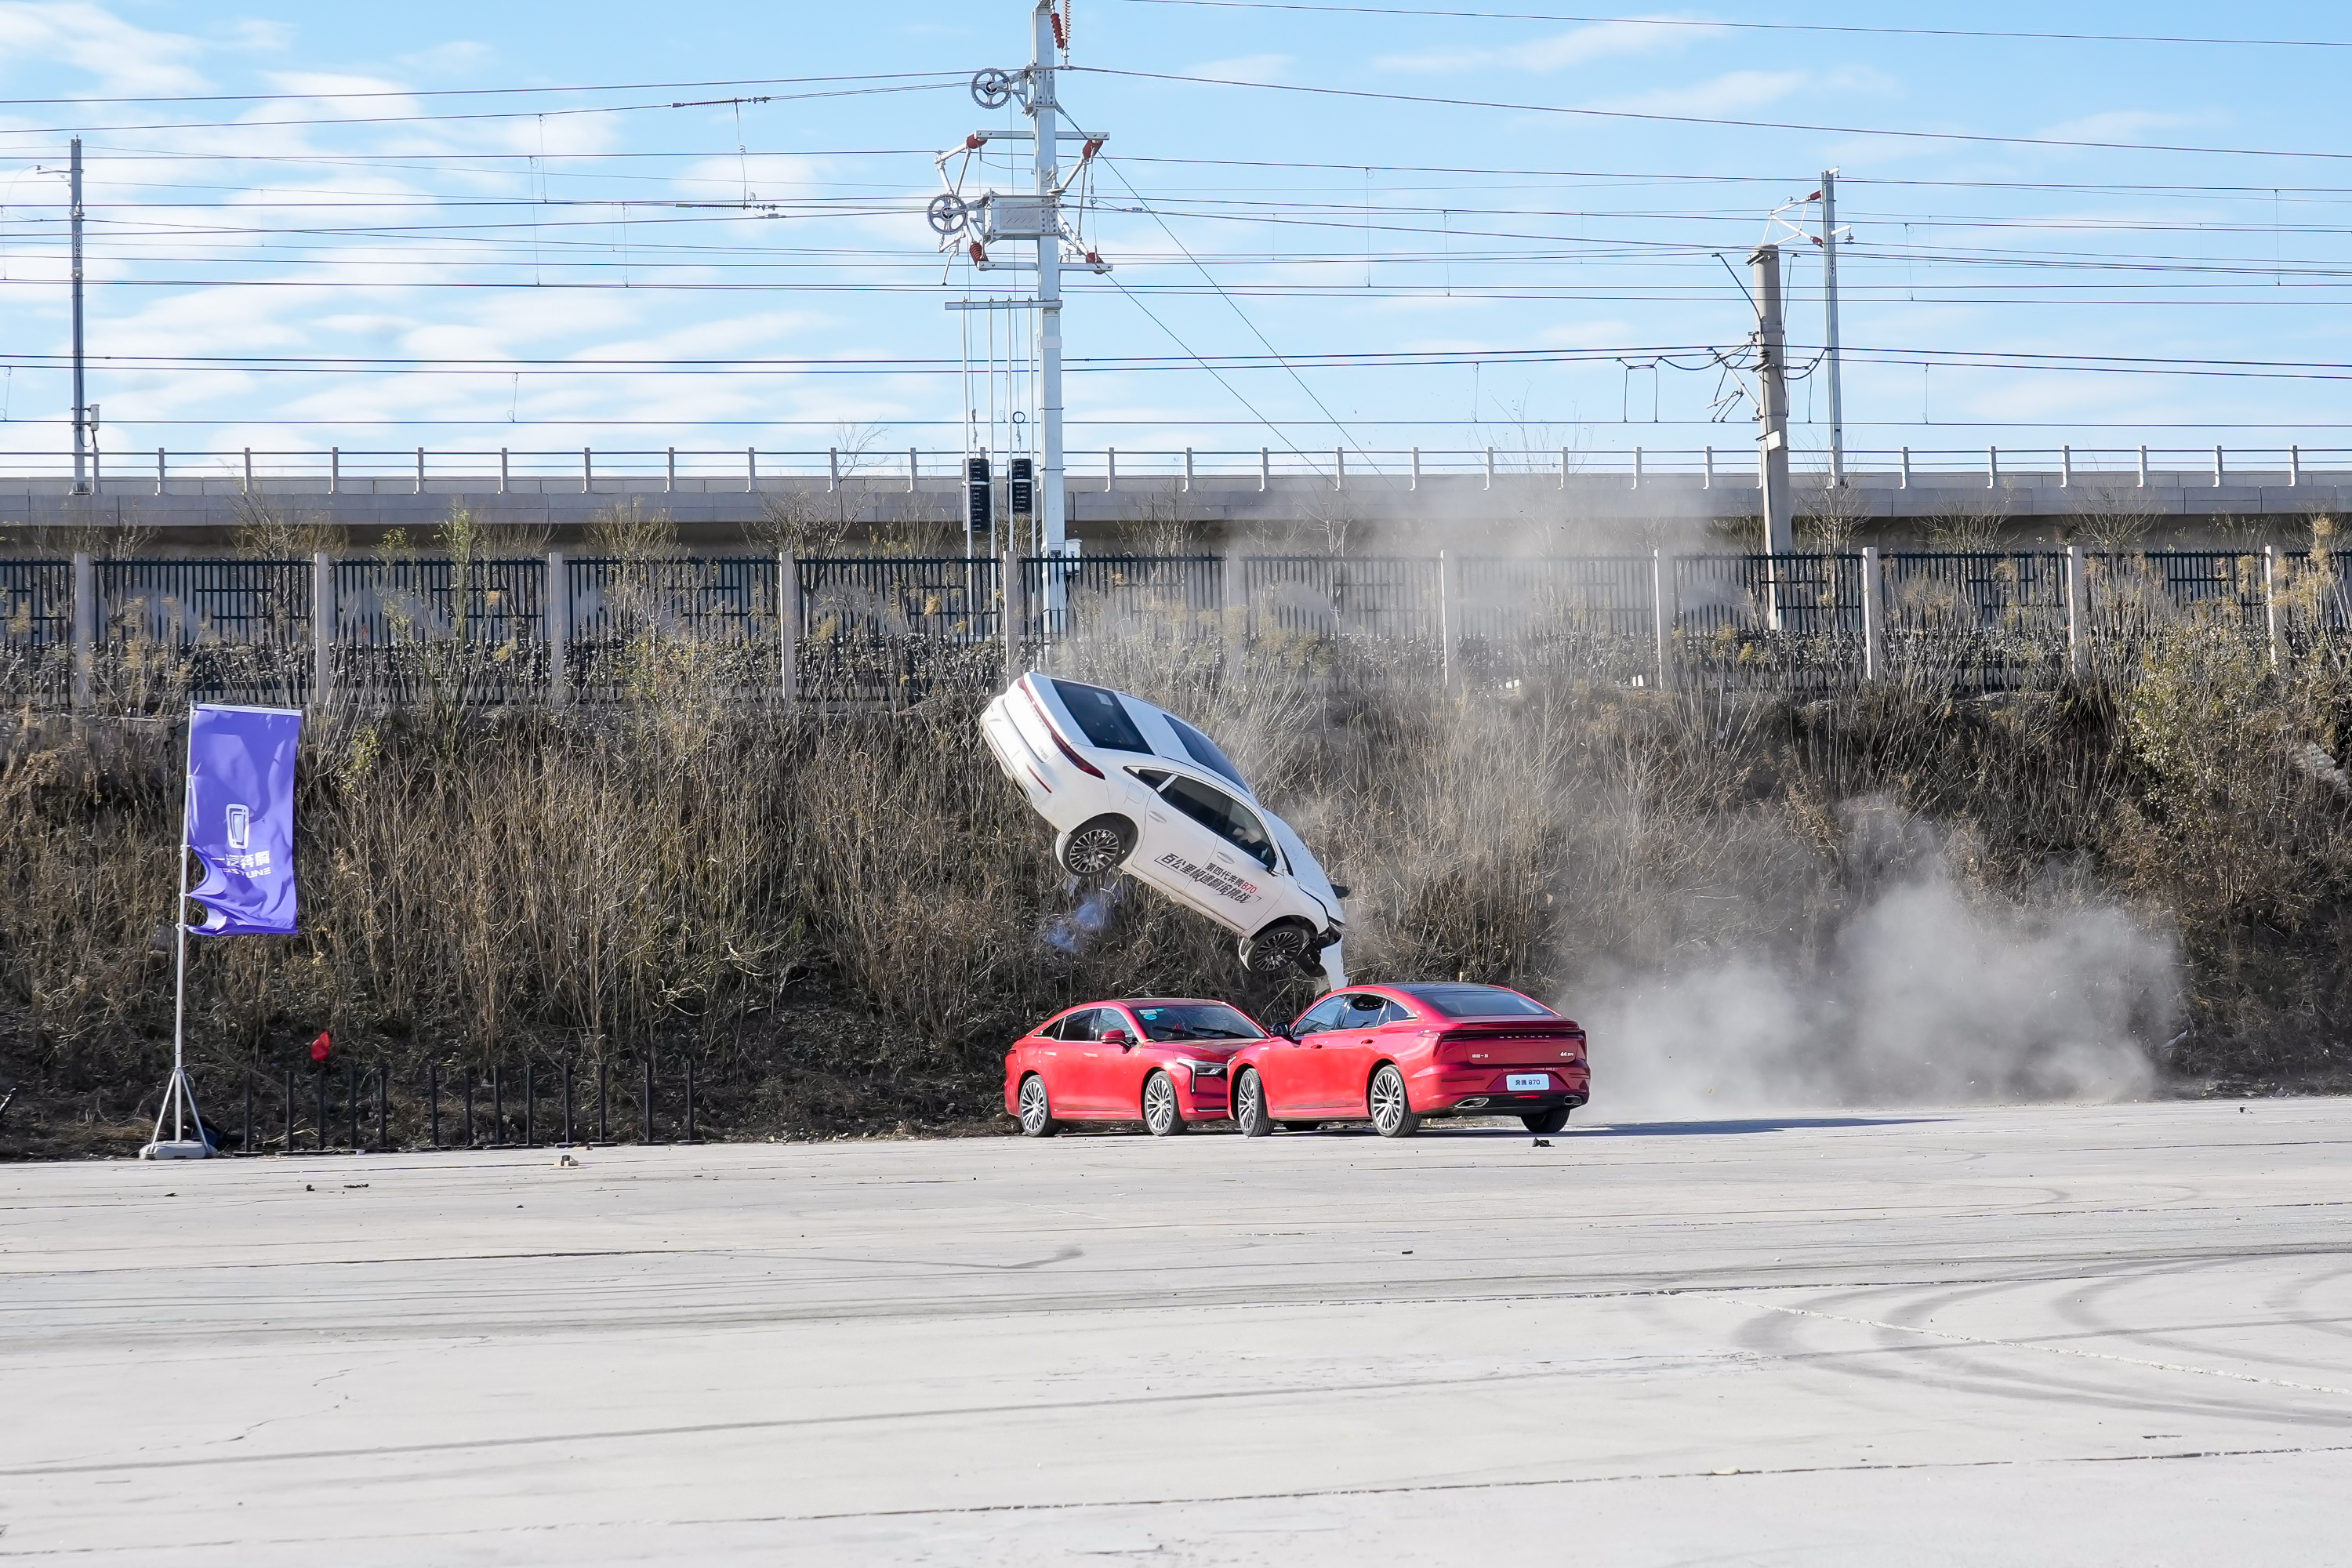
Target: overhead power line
[
  {"x": 333, "y": 95},
  {"x": 1446, "y": 101},
  {"x": 1701, "y": 25}
]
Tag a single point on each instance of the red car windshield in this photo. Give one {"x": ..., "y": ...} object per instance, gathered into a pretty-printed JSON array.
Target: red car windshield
[
  {"x": 1476, "y": 1002},
  {"x": 1196, "y": 1021}
]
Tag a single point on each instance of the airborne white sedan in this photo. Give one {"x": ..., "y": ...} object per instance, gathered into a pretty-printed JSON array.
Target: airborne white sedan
[{"x": 1131, "y": 788}]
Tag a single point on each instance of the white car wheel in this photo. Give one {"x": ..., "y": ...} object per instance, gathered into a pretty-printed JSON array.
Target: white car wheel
[
  {"x": 1095, "y": 847},
  {"x": 1280, "y": 946}
]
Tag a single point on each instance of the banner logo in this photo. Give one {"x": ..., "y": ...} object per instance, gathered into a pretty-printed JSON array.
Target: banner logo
[{"x": 240, "y": 827}]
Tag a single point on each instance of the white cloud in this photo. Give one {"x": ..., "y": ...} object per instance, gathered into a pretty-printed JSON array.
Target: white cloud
[
  {"x": 123, "y": 58},
  {"x": 2122, "y": 125},
  {"x": 1730, "y": 93},
  {"x": 458, "y": 57},
  {"x": 1579, "y": 45},
  {"x": 1244, "y": 68}
]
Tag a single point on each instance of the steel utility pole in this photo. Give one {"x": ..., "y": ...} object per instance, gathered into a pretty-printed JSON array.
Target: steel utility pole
[
  {"x": 81, "y": 411},
  {"x": 1772, "y": 403},
  {"x": 1830, "y": 304},
  {"x": 1046, "y": 115}
]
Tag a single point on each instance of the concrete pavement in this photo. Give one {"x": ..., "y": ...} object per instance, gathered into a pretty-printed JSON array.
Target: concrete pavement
[{"x": 2112, "y": 1334}]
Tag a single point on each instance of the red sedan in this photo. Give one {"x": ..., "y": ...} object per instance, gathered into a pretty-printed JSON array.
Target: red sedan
[
  {"x": 1397, "y": 1054},
  {"x": 1160, "y": 1062}
]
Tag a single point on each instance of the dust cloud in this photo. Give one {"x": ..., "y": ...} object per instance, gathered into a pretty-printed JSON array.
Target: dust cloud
[{"x": 1927, "y": 992}]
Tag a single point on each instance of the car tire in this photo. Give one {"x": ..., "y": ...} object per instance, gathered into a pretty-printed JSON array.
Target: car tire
[
  {"x": 1285, "y": 944},
  {"x": 1392, "y": 1113},
  {"x": 1096, "y": 847},
  {"x": 1037, "y": 1108},
  {"x": 1302, "y": 1127},
  {"x": 1551, "y": 1121},
  {"x": 1249, "y": 1105},
  {"x": 1163, "y": 1116}
]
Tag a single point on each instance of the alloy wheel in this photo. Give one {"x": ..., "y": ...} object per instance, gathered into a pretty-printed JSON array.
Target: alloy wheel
[
  {"x": 1161, "y": 1115},
  {"x": 1276, "y": 949},
  {"x": 1392, "y": 1114},
  {"x": 1037, "y": 1111},
  {"x": 1095, "y": 850},
  {"x": 1249, "y": 1106}
]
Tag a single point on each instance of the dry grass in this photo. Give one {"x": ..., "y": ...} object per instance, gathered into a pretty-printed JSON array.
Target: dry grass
[{"x": 840, "y": 917}]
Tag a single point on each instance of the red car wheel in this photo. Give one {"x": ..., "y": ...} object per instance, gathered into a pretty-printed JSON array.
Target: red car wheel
[
  {"x": 1249, "y": 1105},
  {"x": 1036, "y": 1111}
]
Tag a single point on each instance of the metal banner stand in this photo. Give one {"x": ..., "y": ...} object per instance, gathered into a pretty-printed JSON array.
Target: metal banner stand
[{"x": 179, "y": 1094}]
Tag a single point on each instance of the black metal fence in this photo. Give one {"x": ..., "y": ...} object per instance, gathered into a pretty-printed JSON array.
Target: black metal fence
[
  {"x": 529, "y": 1104},
  {"x": 884, "y": 628}
]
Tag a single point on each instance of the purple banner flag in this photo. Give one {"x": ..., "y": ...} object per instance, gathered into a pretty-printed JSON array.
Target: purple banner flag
[{"x": 241, "y": 819}]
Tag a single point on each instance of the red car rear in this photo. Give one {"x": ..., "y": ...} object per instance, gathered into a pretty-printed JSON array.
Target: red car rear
[
  {"x": 1160, "y": 1061},
  {"x": 1397, "y": 1054}
]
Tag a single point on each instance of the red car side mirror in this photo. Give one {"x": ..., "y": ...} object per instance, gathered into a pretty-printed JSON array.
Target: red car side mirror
[{"x": 1118, "y": 1038}]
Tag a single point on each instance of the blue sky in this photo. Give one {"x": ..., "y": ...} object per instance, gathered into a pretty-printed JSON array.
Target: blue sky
[{"x": 293, "y": 286}]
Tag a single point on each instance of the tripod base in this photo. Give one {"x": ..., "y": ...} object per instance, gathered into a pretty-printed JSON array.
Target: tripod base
[{"x": 179, "y": 1108}]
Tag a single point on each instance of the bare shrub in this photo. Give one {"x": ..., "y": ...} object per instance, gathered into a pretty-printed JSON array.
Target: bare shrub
[{"x": 843, "y": 916}]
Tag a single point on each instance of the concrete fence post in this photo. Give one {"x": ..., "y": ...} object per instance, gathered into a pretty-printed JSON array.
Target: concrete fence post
[
  {"x": 555, "y": 606},
  {"x": 1663, "y": 611},
  {"x": 503, "y": 471},
  {"x": 788, "y": 625},
  {"x": 1706, "y": 473},
  {"x": 1415, "y": 482},
  {"x": 914, "y": 471},
  {"x": 1992, "y": 467},
  {"x": 1188, "y": 470},
  {"x": 2078, "y": 617},
  {"x": 1232, "y": 619},
  {"x": 1874, "y": 617},
  {"x": 323, "y": 618},
  {"x": 2216, "y": 468},
  {"x": 669, "y": 471},
  {"x": 1490, "y": 468},
  {"x": 2293, "y": 466},
  {"x": 1563, "y": 468},
  {"x": 159, "y": 474},
  {"x": 334, "y": 471},
  {"x": 833, "y": 468},
  {"x": 1338, "y": 467},
  {"x": 2275, "y": 635},
  {"x": 750, "y": 468},
  {"x": 420, "y": 470},
  {"x": 1266, "y": 468},
  {"x": 1637, "y": 467},
  {"x": 1445, "y": 620},
  {"x": 2143, "y": 467},
  {"x": 1904, "y": 483},
  {"x": 249, "y": 470},
  {"x": 1110, "y": 469},
  {"x": 587, "y": 470},
  {"x": 85, "y": 627},
  {"x": 2066, "y": 467},
  {"x": 1017, "y": 609}
]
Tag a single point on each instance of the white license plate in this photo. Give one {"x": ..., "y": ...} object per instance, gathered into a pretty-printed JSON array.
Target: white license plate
[{"x": 1527, "y": 1082}]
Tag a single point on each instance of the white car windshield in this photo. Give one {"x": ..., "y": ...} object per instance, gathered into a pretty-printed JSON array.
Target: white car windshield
[{"x": 1196, "y": 1021}]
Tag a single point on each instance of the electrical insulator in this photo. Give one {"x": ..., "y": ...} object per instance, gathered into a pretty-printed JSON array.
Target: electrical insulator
[
  {"x": 1023, "y": 488},
  {"x": 981, "y": 491}
]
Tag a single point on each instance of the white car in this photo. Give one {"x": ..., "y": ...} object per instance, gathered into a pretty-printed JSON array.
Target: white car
[{"x": 1131, "y": 788}]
